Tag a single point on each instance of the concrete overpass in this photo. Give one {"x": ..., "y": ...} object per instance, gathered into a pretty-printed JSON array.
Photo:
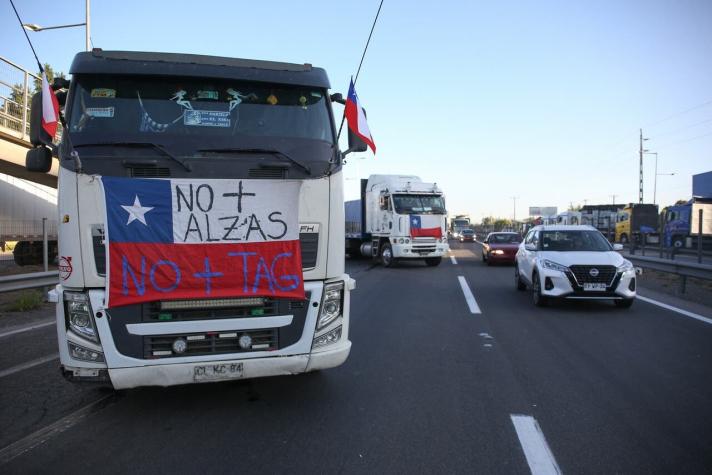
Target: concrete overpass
[{"x": 16, "y": 85}]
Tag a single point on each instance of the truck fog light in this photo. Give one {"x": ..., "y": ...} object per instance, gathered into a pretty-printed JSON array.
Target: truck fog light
[
  {"x": 327, "y": 338},
  {"x": 407, "y": 241},
  {"x": 179, "y": 346},
  {"x": 85, "y": 354},
  {"x": 245, "y": 342},
  {"x": 401, "y": 241}
]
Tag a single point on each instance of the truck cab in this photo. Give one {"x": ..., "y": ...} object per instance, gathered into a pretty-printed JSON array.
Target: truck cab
[{"x": 206, "y": 129}]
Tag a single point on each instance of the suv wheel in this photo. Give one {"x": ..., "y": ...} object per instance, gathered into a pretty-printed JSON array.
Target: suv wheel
[
  {"x": 518, "y": 282},
  {"x": 538, "y": 299},
  {"x": 625, "y": 303}
]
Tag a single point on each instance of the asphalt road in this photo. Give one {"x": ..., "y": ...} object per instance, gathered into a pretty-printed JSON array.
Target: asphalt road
[{"x": 430, "y": 387}]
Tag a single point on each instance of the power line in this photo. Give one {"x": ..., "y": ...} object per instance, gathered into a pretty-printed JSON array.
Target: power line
[
  {"x": 368, "y": 41},
  {"x": 699, "y": 106},
  {"x": 683, "y": 141},
  {"x": 680, "y": 129}
]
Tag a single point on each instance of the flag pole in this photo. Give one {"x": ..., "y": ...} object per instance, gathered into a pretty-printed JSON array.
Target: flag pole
[
  {"x": 343, "y": 116},
  {"x": 28, "y": 37}
]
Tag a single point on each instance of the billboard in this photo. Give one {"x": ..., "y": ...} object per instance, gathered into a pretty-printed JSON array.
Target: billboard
[{"x": 543, "y": 211}]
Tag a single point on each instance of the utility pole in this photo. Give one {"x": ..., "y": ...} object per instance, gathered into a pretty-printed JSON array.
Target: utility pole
[
  {"x": 640, "y": 177},
  {"x": 614, "y": 198},
  {"x": 514, "y": 214}
]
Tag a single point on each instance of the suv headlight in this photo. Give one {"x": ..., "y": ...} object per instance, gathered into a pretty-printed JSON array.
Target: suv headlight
[
  {"x": 331, "y": 304},
  {"x": 627, "y": 266},
  {"x": 78, "y": 315},
  {"x": 547, "y": 264}
]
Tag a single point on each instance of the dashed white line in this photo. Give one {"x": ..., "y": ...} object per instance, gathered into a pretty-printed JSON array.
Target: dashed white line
[
  {"x": 471, "y": 302},
  {"x": 28, "y": 365},
  {"x": 537, "y": 452},
  {"x": 675, "y": 309},
  {"x": 453, "y": 260},
  {"x": 27, "y": 328}
]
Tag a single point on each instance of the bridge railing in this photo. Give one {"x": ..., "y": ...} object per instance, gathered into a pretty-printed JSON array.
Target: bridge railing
[{"x": 17, "y": 85}]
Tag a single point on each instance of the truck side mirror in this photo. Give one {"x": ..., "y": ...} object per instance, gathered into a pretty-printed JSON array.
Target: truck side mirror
[
  {"x": 355, "y": 143},
  {"x": 39, "y": 159},
  {"x": 38, "y": 135}
]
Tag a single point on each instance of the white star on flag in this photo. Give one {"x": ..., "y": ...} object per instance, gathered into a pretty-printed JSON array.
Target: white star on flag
[{"x": 137, "y": 211}]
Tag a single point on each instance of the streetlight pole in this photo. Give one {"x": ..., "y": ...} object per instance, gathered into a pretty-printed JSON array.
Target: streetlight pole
[
  {"x": 514, "y": 209},
  {"x": 86, "y": 24}
]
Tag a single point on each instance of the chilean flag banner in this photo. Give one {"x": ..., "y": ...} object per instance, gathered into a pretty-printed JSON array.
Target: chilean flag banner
[
  {"x": 50, "y": 108},
  {"x": 427, "y": 225},
  {"x": 356, "y": 118},
  {"x": 190, "y": 238}
]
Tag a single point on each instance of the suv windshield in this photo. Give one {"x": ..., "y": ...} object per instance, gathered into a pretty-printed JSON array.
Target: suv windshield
[
  {"x": 195, "y": 113},
  {"x": 509, "y": 238},
  {"x": 574, "y": 241},
  {"x": 418, "y": 204}
]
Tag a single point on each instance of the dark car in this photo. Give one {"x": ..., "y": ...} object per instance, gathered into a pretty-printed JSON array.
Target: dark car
[
  {"x": 467, "y": 235},
  {"x": 500, "y": 247}
]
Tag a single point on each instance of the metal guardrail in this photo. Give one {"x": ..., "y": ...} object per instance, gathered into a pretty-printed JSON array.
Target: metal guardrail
[
  {"x": 682, "y": 269},
  {"x": 33, "y": 280}
]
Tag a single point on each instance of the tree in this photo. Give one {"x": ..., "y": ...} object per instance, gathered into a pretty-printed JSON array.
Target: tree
[
  {"x": 501, "y": 223},
  {"x": 13, "y": 106}
]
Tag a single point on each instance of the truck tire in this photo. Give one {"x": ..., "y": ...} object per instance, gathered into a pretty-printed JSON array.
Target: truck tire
[
  {"x": 387, "y": 259},
  {"x": 433, "y": 261},
  {"x": 678, "y": 242},
  {"x": 22, "y": 253}
]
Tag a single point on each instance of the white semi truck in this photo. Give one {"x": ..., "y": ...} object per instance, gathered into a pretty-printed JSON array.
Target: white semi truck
[
  {"x": 139, "y": 302},
  {"x": 399, "y": 217}
]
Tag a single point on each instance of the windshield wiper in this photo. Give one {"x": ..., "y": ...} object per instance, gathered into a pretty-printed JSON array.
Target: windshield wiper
[
  {"x": 276, "y": 153},
  {"x": 156, "y": 146}
]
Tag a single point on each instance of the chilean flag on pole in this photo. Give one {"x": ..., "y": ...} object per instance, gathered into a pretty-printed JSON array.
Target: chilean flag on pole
[
  {"x": 427, "y": 225},
  {"x": 201, "y": 238},
  {"x": 357, "y": 118},
  {"x": 50, "y": 108}
]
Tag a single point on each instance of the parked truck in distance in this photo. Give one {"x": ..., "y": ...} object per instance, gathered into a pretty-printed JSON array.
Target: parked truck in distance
[
  {"x": 601, "y": 217},
  {"x": 398, "y": 217},
  {"x": 680, "y": 221},
  {"x": 636, "y": 219}
]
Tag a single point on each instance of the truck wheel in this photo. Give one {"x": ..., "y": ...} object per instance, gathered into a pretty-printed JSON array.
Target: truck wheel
[
  {"x": 538, "y": 299},
  {"x": 387, "y": 256},
  {"x": 433, "y": 261},
  {"x": 678, "y": 242},
  {"x": 624, "y": 239},
  {"x": 22, "y": 253}
]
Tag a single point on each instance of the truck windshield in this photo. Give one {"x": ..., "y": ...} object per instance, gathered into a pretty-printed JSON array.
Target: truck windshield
[
  {"x": 574, "y": 241},
  {"x": 191, "y": 114},
  {"x": 418, "y": 204}
]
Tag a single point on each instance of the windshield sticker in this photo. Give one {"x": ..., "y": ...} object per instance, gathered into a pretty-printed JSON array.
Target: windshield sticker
[
  {"x": 206, "y": 118},
  {"x": 104, "y": 112},
  {"x": 238, "y": 97},
  {"x": 103, "y": 93},
  {"x": 179, "y": 97},
  {"x": 212, "y": 95}
]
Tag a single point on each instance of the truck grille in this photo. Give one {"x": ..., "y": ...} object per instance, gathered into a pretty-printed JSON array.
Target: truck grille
[
  {"x": 582, "y": 274},
  {"x": 155, "y": 314},
  {"x": 212, "y": 343}
]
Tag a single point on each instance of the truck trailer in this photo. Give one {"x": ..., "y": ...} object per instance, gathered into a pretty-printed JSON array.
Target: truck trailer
[
  {"x": 681, "y": 227},
  {"x": 636, "y": 220},
  {"x": 201, "y": 208},
  {"x": 398, "y": 217}
]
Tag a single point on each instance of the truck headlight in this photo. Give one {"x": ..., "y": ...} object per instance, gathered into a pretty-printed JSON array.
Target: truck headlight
[
  {"x": 547, "y": 264},
  {"x": 331, "y": 303},
  {"x": 78, "y": 316}
]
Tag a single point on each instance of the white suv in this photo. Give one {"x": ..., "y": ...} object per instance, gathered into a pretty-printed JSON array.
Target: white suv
[{"x": 573, "y": 262}]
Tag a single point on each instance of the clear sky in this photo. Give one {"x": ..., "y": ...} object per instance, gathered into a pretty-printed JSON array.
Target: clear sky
[{"x": 536, "y": 99}]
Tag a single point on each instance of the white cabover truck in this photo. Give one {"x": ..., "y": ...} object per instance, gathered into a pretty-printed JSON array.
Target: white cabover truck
[
  {"x": 398, "y": 217},
  {"x": 201, "y": 219}
]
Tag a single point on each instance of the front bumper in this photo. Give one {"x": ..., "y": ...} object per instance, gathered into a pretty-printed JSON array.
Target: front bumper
[
  {"x": 411, "y": 251},
  {"x": 562, "y": 287}
]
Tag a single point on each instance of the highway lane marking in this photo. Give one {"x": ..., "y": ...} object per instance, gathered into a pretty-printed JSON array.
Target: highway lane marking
[
  {"x": 453, "y": 260},
  {"x": 471, "y": 302},
  {"x": 27, "y": 328},
  {"x": 28, "y": 365},
  {"x": 536, "y": 450},
  {"x": 41, "y": 436},
  {"x": 675, "y": 309}
]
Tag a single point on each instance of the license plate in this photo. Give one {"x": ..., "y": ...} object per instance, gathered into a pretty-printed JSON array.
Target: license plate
[
  {"x": 594, "y": 287},
  {"x": 215, "y": 372}
]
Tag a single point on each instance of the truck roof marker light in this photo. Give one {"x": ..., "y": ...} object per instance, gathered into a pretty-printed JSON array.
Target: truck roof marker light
[{"x": 211, "y": 303}]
